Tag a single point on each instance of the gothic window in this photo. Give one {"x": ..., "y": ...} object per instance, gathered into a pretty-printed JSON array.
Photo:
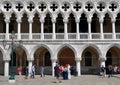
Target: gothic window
[
  {"x": 83, "y": 24},
  {"x": 19, "y": 7},
  {"x": 42, "y": 7},
  {"x": 48, "y": 24},
  {"x": 59, "y": 24},
  {"x": 77, "y": 6},
  {"x": 88, "y": 59},
  {"x": 112, "y": 7},
  {"x": 65, "y": 7},
  {"x": 53, "y": 7},
  {"x": 30, "y": 7},
  {"x": 7, "y": 6},
  {"x": 101, "y": 7},
  {"x": 47, "y": 59},
  {"x": 89, "y": 7}
]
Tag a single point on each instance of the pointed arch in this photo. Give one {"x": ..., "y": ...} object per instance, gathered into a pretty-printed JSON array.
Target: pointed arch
[
  {"x": 69, "y": 46},
  {"x": 110, "y": 46},
  {"x": 93, "y": 46},
  {"x": 38, "y": 46}
]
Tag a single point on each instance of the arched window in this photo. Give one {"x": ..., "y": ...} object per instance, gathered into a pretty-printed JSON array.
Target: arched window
[
  {"x": 47, "y": 59},
  {"x": 88, "y": 59}
]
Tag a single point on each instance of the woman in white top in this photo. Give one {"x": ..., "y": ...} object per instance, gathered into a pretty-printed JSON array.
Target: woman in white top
[{"x": 69, "y": 71}]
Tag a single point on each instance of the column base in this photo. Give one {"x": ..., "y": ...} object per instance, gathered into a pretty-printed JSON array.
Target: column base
[{"x": 11, "y": 80}]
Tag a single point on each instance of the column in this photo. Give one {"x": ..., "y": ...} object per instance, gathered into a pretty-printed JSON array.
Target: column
[
  {"x": 19, "y": 29},
  {"x": 54, "y": 35},
  {"x": 53, "y": 65},
  {"x": 65, "y": 29},
  {"x": 77, "y": 25},
  {"x": 29, "y": 66},
  {"x": 101, "y": 30},
  {"x": 7, "y": 29},
  {"x": 102, "y": 63},
  {"x": 42, "y": 28},
  {"x": 6, "y": 68},
  {"x": 30, "y": 29},
  {"x": 78, "y": 67},
  {"x": 89, "y": 30},
  {"x": 113, "y": 30}
]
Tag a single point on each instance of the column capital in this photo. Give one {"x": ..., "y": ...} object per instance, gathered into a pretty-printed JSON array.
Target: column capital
[
  {"x": 7, "y": 20},
  {"x": 53, "y": 59},
  {"x": 113, "y": 20},
  {"x": 77, "y": 59},
  {"x": 53, "y": 20},
  {"x": 18, "y": 20},
  {"x": 42, "y": 18},
  {"x": 7, "y": 17},
  {"x": 30, "y": 20},
  {"x": 89, "y": 20},
  {"x": 30, "y": 59},
  {"x": 6, "y": 60},
  {"x": 102, "y": 58},
  {"x": 77, "y": 20},
  {"x": 65, "y": 20},
  {"x": 101, "y": 18}
]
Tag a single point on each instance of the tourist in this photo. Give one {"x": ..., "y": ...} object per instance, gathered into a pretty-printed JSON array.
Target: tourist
[
  {"x": 102, "y": 71},
  {"x": 56, "y": 72},
  {"x": 20, "y": 71},
  {"x": 42, "y": 71},
  {"x": 65, "y": 73},
  {"x": 26, "y": 72},
  {"x": 69, "y": 71},
  {"x": 110, "y": 70},
  {"x": 32, "y": 71}
]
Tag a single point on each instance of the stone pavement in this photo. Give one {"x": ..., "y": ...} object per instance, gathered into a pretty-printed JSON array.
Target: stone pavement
[{"x": 49, "y": 80}]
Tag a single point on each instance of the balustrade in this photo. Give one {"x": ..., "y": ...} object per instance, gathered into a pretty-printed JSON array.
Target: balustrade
[{"x": 60, "y": 36}]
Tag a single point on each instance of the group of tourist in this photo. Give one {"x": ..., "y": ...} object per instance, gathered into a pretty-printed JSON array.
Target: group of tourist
[
  {"x": 23, "y": 70},
  {"x": 109, "y": 70},
  {"x": 63, "y": 72},
  {"x": 32, "y": 72}
]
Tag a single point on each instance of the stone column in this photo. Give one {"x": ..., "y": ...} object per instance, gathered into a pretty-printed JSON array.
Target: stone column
[
  {"x": 78, "y": 67},
  {"x": 113, "y": 30},
  {"x": 54, "y": 35},
  {"x": 30, "y": 30},
  {"x": 6, "y": 68},
  {"x": 101, "y": 20},
  {"x": 29, "y": 66},
  {"x": 19, "y": 29},
  {"x": 89, "y": 30},
  {"x": 102, "y": 64},
  {"x": 7, "y": 29},
  {"x": 65, "y": 29},
  {"x": 30, "y": 20},
  {"x": 101, "y": 30},
  {"x": 42, "y": 27},
  {"x": 53, "y": 65},
  {"x": 77, "y": 25}
]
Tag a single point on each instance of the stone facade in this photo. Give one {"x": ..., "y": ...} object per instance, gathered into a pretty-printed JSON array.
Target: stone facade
[{"x": 29, "y": 20}]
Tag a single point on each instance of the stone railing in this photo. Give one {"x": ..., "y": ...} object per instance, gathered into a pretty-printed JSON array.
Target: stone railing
[{"x": 60, "y": 36}]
